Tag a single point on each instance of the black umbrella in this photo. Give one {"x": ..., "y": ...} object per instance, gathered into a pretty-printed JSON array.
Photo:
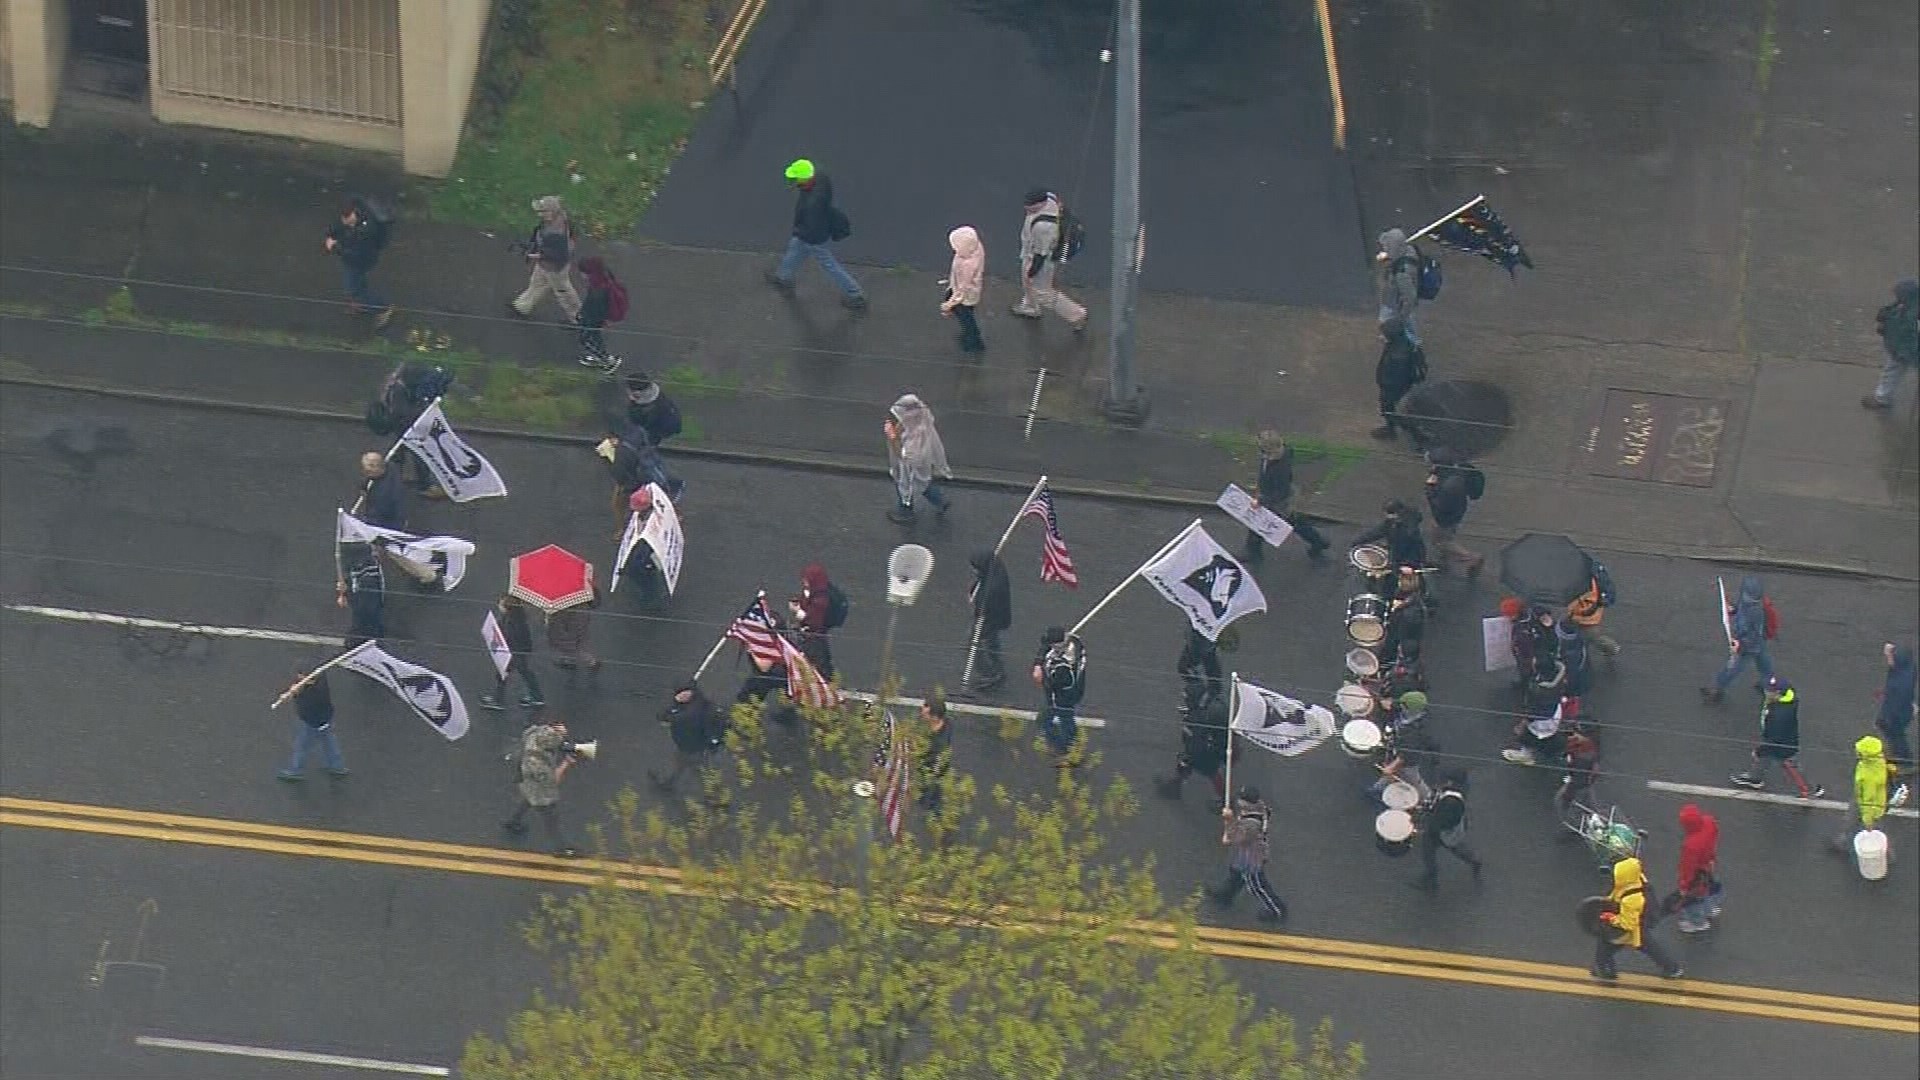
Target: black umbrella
[{"x": 1543, "y": 568}]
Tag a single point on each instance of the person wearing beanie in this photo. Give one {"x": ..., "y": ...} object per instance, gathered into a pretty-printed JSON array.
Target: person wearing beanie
[
  {"x": 817, "y": 223},
  {"x": 1899, "y": 327},
  {"x": 1041, "y": 252},
  {"x": 649, "y": 408},
  {"x": 1779, "y": 741},
  {"x": 1870, "y": 772},
  {"x": 1699, "y": 884},
  {"x": 1245, "y": 838},
  {"x": 1410, "y": 746}
]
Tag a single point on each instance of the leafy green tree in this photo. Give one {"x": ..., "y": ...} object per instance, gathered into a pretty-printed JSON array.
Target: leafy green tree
[{"x": 997, "y": 938}]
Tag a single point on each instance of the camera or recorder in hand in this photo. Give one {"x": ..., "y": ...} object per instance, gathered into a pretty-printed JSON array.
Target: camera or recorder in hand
[{"x": 584, "y": 750}]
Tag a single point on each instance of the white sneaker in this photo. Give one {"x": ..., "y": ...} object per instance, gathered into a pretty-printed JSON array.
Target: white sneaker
[
  {"x": 1899, "y": 796},
  {"x": 1518, "y": 755}
]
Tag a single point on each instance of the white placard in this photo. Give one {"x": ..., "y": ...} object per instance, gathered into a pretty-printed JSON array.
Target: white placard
[
  {"x": 1496, "y": 641},
  {"x": 1240, "y": 507},
  {"x": 662, "y": 534},
  {"x": 497, "y": 646}
]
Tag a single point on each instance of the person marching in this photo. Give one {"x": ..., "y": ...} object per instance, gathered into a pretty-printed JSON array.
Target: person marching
[
  {"x": 1443, "y": 824},
  {"x": 1751, "y": 627},
  {"x": 1273, "y": 489},
  {"x": 965, "y": 280},
  {"x": 1400, "y": 531},
  {"x": 1870, "y": 772},
  {"x": 817, "y": 223},
  {"x": 550, "y": 252},
  {"x": 936, "y": 759},
  {"x": 1245, "y": 838},
  {"x": 1451, "y": 490},
  {"x": 1409, "y": 744},
  {"x": 818, "y": 610},
  {"x": 313, "y": 701},
  {"x": 519, "y": 634},
  {"x": 1779, "y": 741},
  {"x": 545, "y": 756},
  {"x": 1700, "y": 892},
  {"x": 1589, "y": 609},
  {"x": 1042, "y": 248},
  {"x": 1402, "y": 366},
  {"x": 992, "y": 596},
  {"x": 1202, "y": 679},
  {"x": 570, "y": 634},
  {"x": 1579, "y": 771},
  {"x": 1896, "y": 714},
  {"x": 916, "y": 457},
  {"x": 698, "y": 729},
  {"x": 1625, "y": 926},
  {"x": 606, "y": 302},
  {"x": 1203, "y": 750},
  {"x": 383, "y": 503},
  {"x": 362, "y": 590},
  {"x": 1060, "y": 671}
]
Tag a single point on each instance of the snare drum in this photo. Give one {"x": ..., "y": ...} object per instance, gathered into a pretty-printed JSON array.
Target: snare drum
[
  {"x": 1353, "y": 701},
  {"x": 1400, "y": 795},
  {"x": 1367, "y": 619},
  {"x": 1393, "y": 832},
  {"x": 1362, "y": 663},
  {"x": 1375, "y": 564},
  {"x": 1360, "y": 738}
]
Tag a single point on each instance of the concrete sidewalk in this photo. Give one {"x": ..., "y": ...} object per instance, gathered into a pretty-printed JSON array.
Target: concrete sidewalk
[{"x": 1722, "y": 456}]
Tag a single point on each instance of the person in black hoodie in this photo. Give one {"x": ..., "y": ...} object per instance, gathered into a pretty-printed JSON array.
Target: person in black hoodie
[
  {"x": 1400, "y": 531},
  {"x": 817, "y": 223},
  {"x": 1448, "y": 497},
  {"x": 1402, "y": 366},
  {"x": 358, "y": 238},
  {"x": 992, "y": 596},
  {"x": 1202, "y": 679},
  {"x": 519, "y": 634},
  {"x": 1274, "y": 490},
  {"x": 698, "y": 729},
  {"x": 649, "y": 407}
]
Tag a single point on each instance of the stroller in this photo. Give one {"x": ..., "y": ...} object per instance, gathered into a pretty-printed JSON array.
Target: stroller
[{"x": 1610, "y": 837}]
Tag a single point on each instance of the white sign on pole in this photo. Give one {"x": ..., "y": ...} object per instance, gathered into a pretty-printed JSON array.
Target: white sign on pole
[{"x": 1240, "y": 507}]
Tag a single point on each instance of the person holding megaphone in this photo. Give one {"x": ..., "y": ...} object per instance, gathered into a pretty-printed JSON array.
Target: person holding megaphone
[{"x": 543, "y": 759}]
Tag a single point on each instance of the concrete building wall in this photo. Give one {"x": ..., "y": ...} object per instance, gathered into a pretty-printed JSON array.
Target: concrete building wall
[
  {"x": 6, "y": 51},
  {"x": 440, "y": 41}
]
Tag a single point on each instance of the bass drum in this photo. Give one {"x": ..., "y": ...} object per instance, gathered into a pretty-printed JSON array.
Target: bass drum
[
  {"x": 1393, "y": 832},
  {"x": 1367, "y": 620}
]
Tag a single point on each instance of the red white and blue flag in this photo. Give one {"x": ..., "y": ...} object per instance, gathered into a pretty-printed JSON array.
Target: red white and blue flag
[
  {"x": 893, "y": 797},
  {"x": 756, "y": 632},
  {"x": 805, "y": 684},
  {"x": 1056, "y": 563}
]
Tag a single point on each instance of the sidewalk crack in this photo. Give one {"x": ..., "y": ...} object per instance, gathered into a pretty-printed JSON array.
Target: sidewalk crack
[{"x": 139, "y": 232}]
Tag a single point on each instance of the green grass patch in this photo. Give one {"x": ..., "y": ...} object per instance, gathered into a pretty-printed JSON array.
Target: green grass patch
[
  {"x": 688, "y": 381},
  {"x": 591, "y": 100}
]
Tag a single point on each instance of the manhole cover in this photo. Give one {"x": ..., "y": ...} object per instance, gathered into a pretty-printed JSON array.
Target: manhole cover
[
  {"x": 1657, "y": 438},
  {"x": 1459, "y": 414}
]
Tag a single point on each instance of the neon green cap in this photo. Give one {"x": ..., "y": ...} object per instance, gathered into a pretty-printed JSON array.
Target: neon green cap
[{"x": 801, "y": 169}]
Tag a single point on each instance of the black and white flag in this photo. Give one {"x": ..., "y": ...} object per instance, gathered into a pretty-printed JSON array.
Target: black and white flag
[
  {"x": 1201, "y": 579},
  {"x": 428, "y": 693},
  {"x": 662, "y": 534},
  {"x": 462, "y": 473},
  {"x": 1276, "y": 722},
  {"x": 447, "y": 554}
]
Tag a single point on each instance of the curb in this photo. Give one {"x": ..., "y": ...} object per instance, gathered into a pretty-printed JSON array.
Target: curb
[{"x": 794, "y": 459}]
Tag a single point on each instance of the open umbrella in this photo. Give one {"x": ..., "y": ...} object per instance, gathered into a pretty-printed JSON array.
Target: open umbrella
[
  {"x": 1544, "y": 568},
  {"x": 550, "y": 578}
]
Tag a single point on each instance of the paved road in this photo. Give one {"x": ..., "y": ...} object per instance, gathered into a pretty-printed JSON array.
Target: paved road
[
  {"x": 222, "y": 519},
  {"x": 977, "y": 101}
]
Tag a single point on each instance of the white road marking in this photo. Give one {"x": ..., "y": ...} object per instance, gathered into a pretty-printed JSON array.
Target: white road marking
[
  {"x": 296, "y": 638},
  {"x": 1744, "y": 795},
  {"x": 303, "y": 1056}
]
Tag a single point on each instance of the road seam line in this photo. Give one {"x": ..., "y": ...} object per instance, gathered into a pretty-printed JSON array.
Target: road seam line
[
  {"x": 307, "y": 1057},
  {"x": 1709, "y": 792}
]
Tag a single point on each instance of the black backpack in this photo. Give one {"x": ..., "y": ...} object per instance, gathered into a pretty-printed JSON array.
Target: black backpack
[
  {"x": 1071, "y": 237},
  {"x": 839, "y": 226},
  {"x": 838, "y": 607},
  {"x": 1476, "y": 481},
  {"x": 383, "y": 217}
]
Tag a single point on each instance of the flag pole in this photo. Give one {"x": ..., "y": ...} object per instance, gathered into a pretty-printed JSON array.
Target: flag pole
[
  {"x": 980, "y": 621},
  {"x": 1464, "y": 207},
  {"x": 1726, "y": 621},
  {"x": 1233, "y": 708},
  {"x": 1137, "y": 571},
  {"x": 307, "y": 679}
]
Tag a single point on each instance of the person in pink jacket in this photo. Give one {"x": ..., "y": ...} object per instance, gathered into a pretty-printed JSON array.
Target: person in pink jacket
[{"x": 964, "y": 282}]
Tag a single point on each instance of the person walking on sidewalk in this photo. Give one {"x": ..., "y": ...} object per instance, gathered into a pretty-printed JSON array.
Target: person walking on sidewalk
[
  {"x": 1273, "y": 489},
  {"x": 992, "y": 597},
  {"x": 1870, "y": 772},
  {"x": 650, "y": 409},
  {"x": 1779, "y": 741},
  {"x": 1041, "y": 251},
  {"x": 916, "y": 457},
  {"x": 550, "y": 251},
  {"x": 1899, "y": 326},
  {"x": 1700, "y": 891},
  {"x": 1443, "y": 825},
  {"x": 1896, "y": 714},
  {"x": 1402, "y": 366},
  {"x": 1752, "y": 627},
  {"x": 966, "y": 278},
  {"x": 817, "y": 223},
  {"x": 1625, "y": 926},
  {"x": 698, "y": 729},
  {"x": 1399, "y": 263},
  {"x": 818, "y": 610},
  {"x": 570, "y": 634},
  {"x": 519, "y": 635},
  {"x": 1245, "y": 838},
  {"x": 1450, "y": 490},
  {"x": 313, "y": 702},
  {"x": 545, "y": 756},
  {"x": 606, "y": 302},
  {"x": 359, "y": 237}
]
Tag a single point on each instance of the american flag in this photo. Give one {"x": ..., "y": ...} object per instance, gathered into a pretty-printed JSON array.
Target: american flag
[
  {"x": 893, "y": 798},
  {"x": 805, "y": 685},
  {"x": 1056, "y": 564},
  {"x": 756, "y": 631}
]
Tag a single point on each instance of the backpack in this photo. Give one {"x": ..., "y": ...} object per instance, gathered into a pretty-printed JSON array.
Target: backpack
[
  {"x": 1071, "y": 236},
  {"x": 839, "y": 227},
  {"x": 838, "y": 607},
  {"x": 1476, "y": 481},
  {"x": 637, "y": 463},
  {"x": 1427, "y": 278},
  {"x": 1065, "y": 670},
  {"x": 1604, "y": 582},
  {"x": 616, "y": 299},
  {"x": 1773, "y": 617},
  {"x": 383, "y": 217}
]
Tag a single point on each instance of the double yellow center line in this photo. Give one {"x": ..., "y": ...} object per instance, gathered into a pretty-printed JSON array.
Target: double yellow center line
[{"x": 1355, "y": 956}]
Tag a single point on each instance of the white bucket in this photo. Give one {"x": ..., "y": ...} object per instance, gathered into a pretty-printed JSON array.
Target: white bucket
[{"x": 1870, "y": 853}]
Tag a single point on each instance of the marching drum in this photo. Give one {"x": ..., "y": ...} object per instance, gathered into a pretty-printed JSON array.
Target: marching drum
[
  {"x": 1367, "y": 619},
  {"x": 1375, "y": 564},
  {"x": 1400, "y": 795},
  {"x": 1353, "y": 701},
  {"x": 1362, "y": 663},
  {"x": 1360, "y": 739},
  {"x": 1393, "y": 832}
]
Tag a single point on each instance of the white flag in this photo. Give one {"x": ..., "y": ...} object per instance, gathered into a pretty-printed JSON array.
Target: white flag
[
  {"x": 463, "y": 474},
  {"x": 1278, "y": 723},
  {"x": 497, "y": 646},
  {"x": 662, "y": 533},
  {"x": 628, "y": 541},
  {"x": 447, "y": 554},
  {"x": 1201, "y": 579},
  {"x": 428, "y": 693}
]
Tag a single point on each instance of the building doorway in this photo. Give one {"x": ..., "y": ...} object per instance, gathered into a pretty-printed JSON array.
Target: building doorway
[{"x": 109, "y": 50}]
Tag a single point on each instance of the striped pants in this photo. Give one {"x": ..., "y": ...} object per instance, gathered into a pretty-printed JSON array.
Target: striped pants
[{"x": 1255, "y": 880}]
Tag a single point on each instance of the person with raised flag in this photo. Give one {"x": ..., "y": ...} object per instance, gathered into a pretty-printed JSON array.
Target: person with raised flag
[
  {"x": 992, "y": 597},
  {"x": 1245, "y": 838},
  {"x": 1060, "y": 671},
  {"x": 431, "y": 695},
  {"x": 818, "y": 609},
  {"x": 1203, "y": 750},
  {"x": 362, "y": 590},
  {"x": 1197, "y": 576},
  {"x": 1476, "y": 229},
  {"x": 435, "y": 563},
  {"x": 313, "y": 701}
]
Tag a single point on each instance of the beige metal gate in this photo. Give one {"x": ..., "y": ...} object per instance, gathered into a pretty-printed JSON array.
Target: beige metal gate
[{"x": 334, "y": 61}]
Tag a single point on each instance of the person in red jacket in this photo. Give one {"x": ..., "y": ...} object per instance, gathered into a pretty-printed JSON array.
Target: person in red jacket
[{"x": 1699, "y": 870}]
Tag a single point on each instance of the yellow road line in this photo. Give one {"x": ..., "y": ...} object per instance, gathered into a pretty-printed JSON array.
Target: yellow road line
[
  {"x": 1350, "y": 956},
  {"x": 720, "y": 64}
]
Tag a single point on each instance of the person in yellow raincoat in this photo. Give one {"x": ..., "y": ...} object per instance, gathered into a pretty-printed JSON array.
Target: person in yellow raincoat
[
  {"x": 1625, "y": 926},
  {"x": 1870, "y": 772}
]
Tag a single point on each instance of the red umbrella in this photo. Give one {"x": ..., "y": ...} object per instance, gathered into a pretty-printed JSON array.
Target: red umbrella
[{"x": 551, "y": 578}]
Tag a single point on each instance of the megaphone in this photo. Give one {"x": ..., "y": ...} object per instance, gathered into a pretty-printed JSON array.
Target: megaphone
[{"x": 588, "y": 750}]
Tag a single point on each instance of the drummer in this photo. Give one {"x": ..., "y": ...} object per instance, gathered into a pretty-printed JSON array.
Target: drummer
[
  {"x": 1410, "y": 746},
  {"x": 1400, "y": 530},
  {"x": 1407, "y": 615}
]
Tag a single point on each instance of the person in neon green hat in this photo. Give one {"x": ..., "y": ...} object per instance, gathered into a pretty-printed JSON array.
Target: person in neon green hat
[{"x": 817, "y": 223}]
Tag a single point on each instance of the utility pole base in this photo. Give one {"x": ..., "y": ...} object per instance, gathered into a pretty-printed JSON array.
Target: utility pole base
[{"x": 1131, "y": 412}]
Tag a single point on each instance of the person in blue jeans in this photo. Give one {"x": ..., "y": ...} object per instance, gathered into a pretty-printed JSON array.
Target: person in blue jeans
[
  {"x": 1060, "y": 671},
  {"x": 1748, "y": 621},
  {"x": 313, "y": 702},
  {"x": 817, "y": 223},
  {"x": 358, "y": 238}
]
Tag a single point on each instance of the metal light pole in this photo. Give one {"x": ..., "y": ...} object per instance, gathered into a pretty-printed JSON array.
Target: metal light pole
[{"x": 1125, "y": 401}]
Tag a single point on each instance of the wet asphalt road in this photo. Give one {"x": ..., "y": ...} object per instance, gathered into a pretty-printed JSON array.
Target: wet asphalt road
[{"x": 223, "y": 519}]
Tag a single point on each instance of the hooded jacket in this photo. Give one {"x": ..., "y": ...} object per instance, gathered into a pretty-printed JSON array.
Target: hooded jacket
[
  {"x": 1749, "y": 617},
  {"x": 1899, "y": 323},
  {"x": 968, "y": 274},
  {"x": 1896, "y": 698},
  {"x": 1447, "y": 498},
  {"x": 1869, "y": 780},
  {"x": 918, "y": 455},
  {"x": 992, "y": 592},
  {"x": 1399, "y": 276},
  {"x": 1699, "y": 850},
  {"x": 1629, "y": 894},
  {"x": 697, "y": 726},
  {"x": 813, "y": 599},
  {"x": 1780, "y": 726},
  {"x": 1402, "y": 364}
]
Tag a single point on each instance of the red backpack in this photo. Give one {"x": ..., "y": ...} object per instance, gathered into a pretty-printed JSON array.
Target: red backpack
[{"x": 616, "y": 299}]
